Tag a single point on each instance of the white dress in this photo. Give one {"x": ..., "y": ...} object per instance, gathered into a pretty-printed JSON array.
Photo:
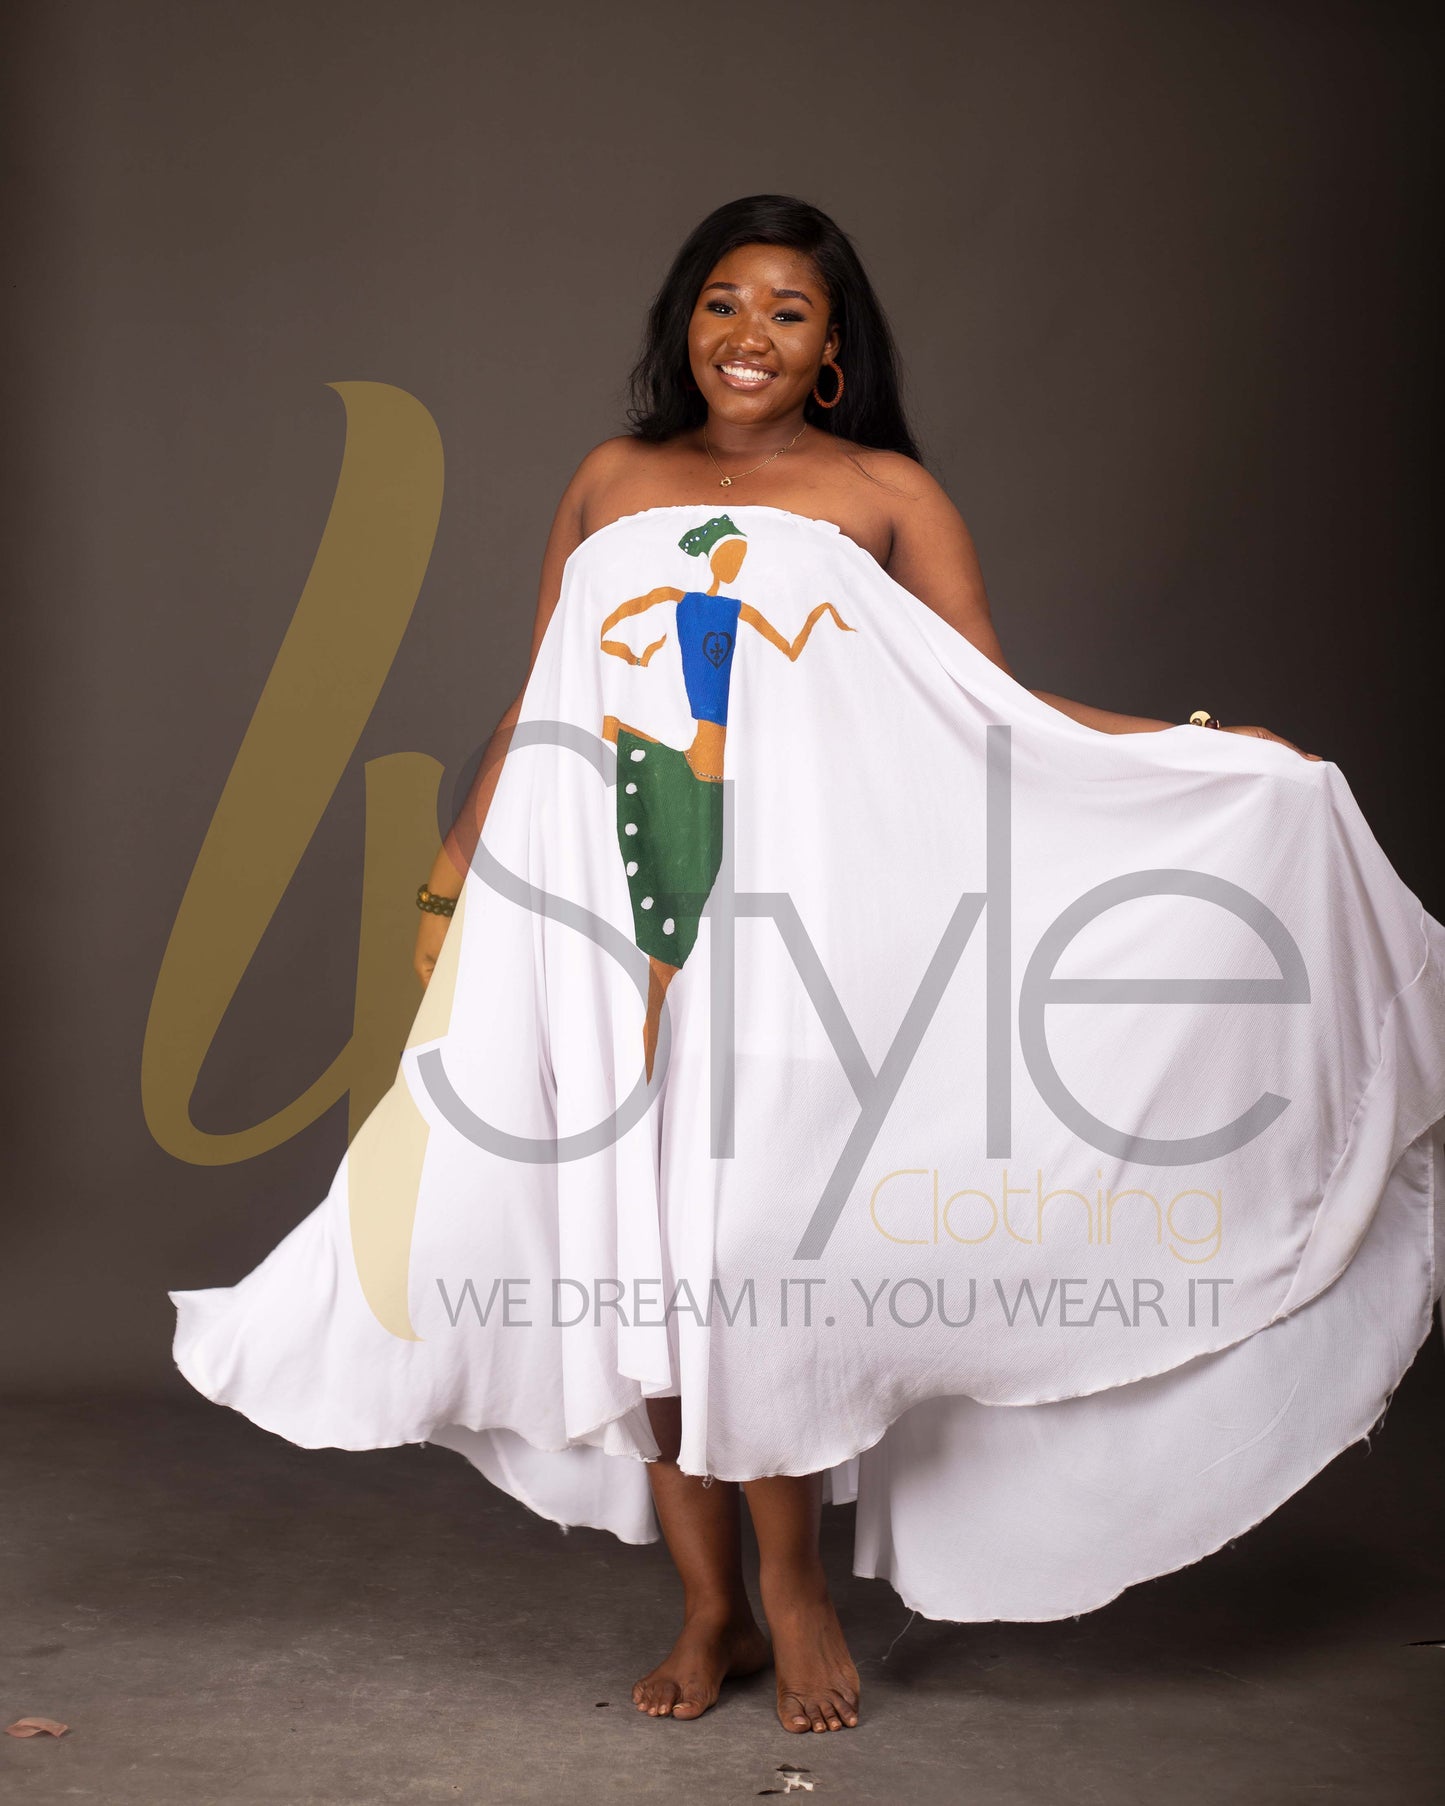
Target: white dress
[{"x": 1044, "y": 1138}]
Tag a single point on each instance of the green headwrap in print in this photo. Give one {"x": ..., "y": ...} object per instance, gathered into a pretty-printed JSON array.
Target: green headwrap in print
[{"x": 702, "y": 539}]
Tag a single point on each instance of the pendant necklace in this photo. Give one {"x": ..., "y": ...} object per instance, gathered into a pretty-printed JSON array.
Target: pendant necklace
[{"x": 726, "y": 482}]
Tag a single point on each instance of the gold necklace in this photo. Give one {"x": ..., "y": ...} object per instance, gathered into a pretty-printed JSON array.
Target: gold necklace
[{"x": 727, "y": 482}]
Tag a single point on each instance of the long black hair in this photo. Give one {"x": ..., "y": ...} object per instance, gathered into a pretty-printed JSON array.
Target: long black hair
[{"x": 871, "y": 410}]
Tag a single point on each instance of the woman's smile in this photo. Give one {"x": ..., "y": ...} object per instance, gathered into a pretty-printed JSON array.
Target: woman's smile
[{"x": 739, "y": 375}]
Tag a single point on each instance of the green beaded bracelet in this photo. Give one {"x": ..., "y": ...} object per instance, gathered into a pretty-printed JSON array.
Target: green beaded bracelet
[{"x": 433, "y": 904}]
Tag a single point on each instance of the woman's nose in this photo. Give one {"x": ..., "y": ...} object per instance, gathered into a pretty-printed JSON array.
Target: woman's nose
[{"x": 751, "y": 335}]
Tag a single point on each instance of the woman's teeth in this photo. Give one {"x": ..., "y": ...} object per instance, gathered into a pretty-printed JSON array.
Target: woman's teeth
[{"x": 747, "y": 373}]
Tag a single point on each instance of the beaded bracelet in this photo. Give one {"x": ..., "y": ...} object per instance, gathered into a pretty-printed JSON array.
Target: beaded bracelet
[
  {"x": 433, "y": 904},
  {"x": 1203, "y": 718}
]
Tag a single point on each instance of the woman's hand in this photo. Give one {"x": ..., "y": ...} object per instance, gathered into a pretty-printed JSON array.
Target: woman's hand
[
  {"x": 1263, "y": 733},
  {"x": 430, "y": 934}
]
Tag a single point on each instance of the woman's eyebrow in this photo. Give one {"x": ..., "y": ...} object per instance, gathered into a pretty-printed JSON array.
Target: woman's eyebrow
[{"x": 779, "y": 294}]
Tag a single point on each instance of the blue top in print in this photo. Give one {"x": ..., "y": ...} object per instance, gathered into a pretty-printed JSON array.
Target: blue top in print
[{"x": 707, "y": 629}]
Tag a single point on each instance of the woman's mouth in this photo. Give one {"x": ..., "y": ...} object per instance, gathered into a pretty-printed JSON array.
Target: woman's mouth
[{"x": 746, "y": 377}]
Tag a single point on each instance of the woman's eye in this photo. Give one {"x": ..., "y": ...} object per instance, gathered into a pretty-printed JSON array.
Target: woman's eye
[
  {"x": 713, "y": 306},
  {"x": 787, "y": 316}
]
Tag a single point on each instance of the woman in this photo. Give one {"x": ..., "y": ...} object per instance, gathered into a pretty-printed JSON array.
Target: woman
[
  {"x": 1241, "y": 1056},
  {"x": 769, "y": 364}
]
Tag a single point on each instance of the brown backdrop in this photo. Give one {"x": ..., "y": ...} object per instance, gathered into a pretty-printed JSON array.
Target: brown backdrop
[{"x": 1159, "y": 273}]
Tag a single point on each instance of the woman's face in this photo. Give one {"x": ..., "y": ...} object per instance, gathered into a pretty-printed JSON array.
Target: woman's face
[{"x": 759, "y": 334}]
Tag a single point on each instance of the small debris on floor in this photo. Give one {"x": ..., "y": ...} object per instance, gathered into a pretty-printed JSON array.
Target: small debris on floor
[
  {"x": 792, "y": 1779},
  {"x": 36, "y": 1727}
]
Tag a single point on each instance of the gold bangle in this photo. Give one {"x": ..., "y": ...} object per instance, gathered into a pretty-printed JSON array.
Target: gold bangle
[
  {"x": 433, "y": 904},
  {"x": 1203, "y": 718}
]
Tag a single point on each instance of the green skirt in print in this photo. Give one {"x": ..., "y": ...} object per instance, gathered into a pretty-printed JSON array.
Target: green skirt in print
[{"x": 669, "y": 827}]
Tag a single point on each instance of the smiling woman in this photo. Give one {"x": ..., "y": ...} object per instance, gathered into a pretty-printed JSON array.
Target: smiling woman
[
  {"x": 773, "y": 287},
  {"x": 711, "y": 1043}
]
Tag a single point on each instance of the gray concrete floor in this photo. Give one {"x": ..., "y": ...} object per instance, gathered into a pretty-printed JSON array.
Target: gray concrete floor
[{"x": 222, "y": 1617}]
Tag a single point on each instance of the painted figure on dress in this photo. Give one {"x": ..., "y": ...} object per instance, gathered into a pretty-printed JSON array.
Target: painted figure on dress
[{"x": 669, "y": 801}]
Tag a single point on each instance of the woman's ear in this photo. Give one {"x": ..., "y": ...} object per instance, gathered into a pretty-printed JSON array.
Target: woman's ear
[{"x": 832, "y": 343}]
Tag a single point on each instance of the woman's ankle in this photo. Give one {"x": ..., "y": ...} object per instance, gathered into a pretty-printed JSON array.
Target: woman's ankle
[
  {"x": 718, "y": 1611},
  {"x": 798, "y": 1583}
]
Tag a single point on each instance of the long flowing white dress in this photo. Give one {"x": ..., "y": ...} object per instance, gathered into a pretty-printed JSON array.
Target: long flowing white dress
[{"x": 1045, "y": 1134}]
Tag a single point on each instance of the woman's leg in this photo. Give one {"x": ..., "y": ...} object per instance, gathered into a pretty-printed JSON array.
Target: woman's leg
[
  {"x": 817, "y": 1682},
  {"x": 701, "y": 1524}
]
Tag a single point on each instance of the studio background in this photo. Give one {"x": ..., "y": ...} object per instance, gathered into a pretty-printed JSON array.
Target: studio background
[{"x": 1162, "y": 276}]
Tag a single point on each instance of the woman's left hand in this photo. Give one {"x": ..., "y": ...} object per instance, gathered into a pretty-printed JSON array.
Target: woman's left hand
[{"x": 1263, "y": 733}]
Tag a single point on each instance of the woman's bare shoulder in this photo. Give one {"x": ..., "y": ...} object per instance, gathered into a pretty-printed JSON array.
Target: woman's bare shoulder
[
  {"x": 932, "y": 553},
  {"x": 608, "y": 456},
  {"x": 610, "y": 474},
  {"x": 902, "y": 478},
  {"x": 600, "y": 465},
  {"x": 906, "y": 503}
]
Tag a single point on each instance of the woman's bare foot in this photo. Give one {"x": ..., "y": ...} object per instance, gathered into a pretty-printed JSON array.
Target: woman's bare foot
[
  {"x": 707, "y": 1652},
  {"x": 817, "y": 1682}
]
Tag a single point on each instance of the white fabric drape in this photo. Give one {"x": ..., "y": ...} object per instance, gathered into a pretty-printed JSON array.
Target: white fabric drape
[{"x": 909, "y": 837}]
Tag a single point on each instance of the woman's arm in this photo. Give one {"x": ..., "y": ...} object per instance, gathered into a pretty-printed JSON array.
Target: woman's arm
[
  {"x": 449, "y": 870},
  {"x": 934, "y": 557},
  {"x": 1107, "y": 721}
]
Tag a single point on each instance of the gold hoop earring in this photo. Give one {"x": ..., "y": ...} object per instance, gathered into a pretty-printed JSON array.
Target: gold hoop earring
[{"x": 828, "y": 364}]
